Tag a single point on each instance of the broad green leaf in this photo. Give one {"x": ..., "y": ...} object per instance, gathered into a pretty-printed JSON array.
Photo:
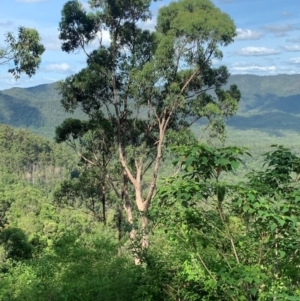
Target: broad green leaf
[
  {"x": 253, "y": 291},
  {"x": 234, "y": 165},
  {"x": 273, "y": 226},
  {"x": 282, "y": 254}
]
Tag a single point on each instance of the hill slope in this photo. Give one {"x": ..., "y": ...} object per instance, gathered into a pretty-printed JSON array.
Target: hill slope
[
  {"x": 268, "y": 103},
  {"x": 36, "y": 108},
  {"x": 258, "y": 91}
]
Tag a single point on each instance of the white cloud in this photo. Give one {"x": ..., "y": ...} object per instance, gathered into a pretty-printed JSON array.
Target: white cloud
[
  {"x": 294, "y": 40},
  {"x": 6, "y": 77},
  {"x": 50, "y": 40},
  {"x": 256, "y": 51},
  {"x": 105, "y": 36},
  {"x": 31, "y": 1},
  {"x": 63, "y": 67},
  {"x": 279, "y": 30},
  {"x": 102, "y": 36},
  {"x": 287, "y": 69},
  {"x": 8, "y": 81},
  {"x": 85, "y": 5},
  {"x": 215, "y": 62},
  {"x": 285, "y": 14},
  {"x": 295, "y": 60},
  {"x": 6, "y": 23},
  {"x": 149, "y": 24},
  {"x": 247, "y": 34},
  {"x": 294, "y": 48},
  {"x": 244, "y": 68}
]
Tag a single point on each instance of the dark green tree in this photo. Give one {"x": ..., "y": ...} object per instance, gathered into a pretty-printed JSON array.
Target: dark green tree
[
  {"x": 15, "y": 244},
  {"x": 24, "y": 51},
  {"x": 93, "y": 141},
  {"x": 145, "y": 83}
]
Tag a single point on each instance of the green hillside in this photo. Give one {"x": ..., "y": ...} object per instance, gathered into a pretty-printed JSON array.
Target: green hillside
[
  {"x": 36, "y": 108},
  {"x": 268, "y": 103},
  {"x": 258, "y": 91}
]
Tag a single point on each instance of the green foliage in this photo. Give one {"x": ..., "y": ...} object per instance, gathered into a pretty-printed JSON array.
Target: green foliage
[
  {"x": 15, "y": 244},
  {"x": 84, "y": 191},
  {"x": 196, "y": 20},
  {"x": 62, "y": 253},
  {"x": 142, "y": 64},
  {"x": 206, "y": 161},
  {"x": 236, "y": 242},
  {"x": 213, "y": 238},
  {"x": 25, "y": 51},
  {"x": 27, "y": 157},
  {"x": 282, "y": 171},
  {"x": 140, "y": 89},
  {"x": 76, "y": 26}
]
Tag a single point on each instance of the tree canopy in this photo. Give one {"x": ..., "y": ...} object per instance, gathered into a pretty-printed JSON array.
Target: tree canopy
[
  {"x": 146, "y": 84},
  {"x": 24, "y": 51}
]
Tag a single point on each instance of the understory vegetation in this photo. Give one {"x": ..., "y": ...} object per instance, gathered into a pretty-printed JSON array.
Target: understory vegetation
[{"x": 212, "y": 234}]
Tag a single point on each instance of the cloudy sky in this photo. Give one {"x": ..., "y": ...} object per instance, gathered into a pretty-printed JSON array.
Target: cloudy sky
[{"x": 267, "y": 42}]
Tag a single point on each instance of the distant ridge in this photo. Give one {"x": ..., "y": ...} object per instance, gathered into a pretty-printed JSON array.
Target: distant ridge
[
  {"x": 267, "y": 102},
  {"x": 259, "y": 91},
  {"x": 35, "y": 108}
]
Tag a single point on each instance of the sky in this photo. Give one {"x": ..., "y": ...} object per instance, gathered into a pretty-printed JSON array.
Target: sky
[{"x": 267, "y": 41}]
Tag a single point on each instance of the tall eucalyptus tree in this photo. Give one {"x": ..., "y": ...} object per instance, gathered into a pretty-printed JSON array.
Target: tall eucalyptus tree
[{"x": 147, "y": 83}]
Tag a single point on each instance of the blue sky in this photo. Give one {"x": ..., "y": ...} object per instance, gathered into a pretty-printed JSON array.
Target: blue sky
[{"x": 267, "y": 42}]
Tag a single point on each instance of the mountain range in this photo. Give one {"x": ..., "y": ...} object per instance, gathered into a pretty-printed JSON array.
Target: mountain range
[
  {"x": 268, "y": 103},
  {"x": 36, "y": 108}
]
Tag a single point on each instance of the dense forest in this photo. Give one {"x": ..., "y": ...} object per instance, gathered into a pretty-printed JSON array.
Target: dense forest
[{"x": 149, "y": 189}]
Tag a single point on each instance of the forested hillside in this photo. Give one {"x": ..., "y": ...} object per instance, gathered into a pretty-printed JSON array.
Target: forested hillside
[
  {"x": 37, "y": 109},
  {"x": 32, "y": 159},
  {"x": 44, "y": 244},
  {"x": 56, "y": 245},
  {"x": 276, "y": 92},
  {"x": 269, "y": 103}
]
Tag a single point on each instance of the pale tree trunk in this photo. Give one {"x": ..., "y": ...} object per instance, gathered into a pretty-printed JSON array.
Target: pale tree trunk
[
  {"x": 145, "y": 239},
  {"x": 129, "y": 214},
  {"x": 143, "y": 200},
  {"x": 141, "y": 203}
]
